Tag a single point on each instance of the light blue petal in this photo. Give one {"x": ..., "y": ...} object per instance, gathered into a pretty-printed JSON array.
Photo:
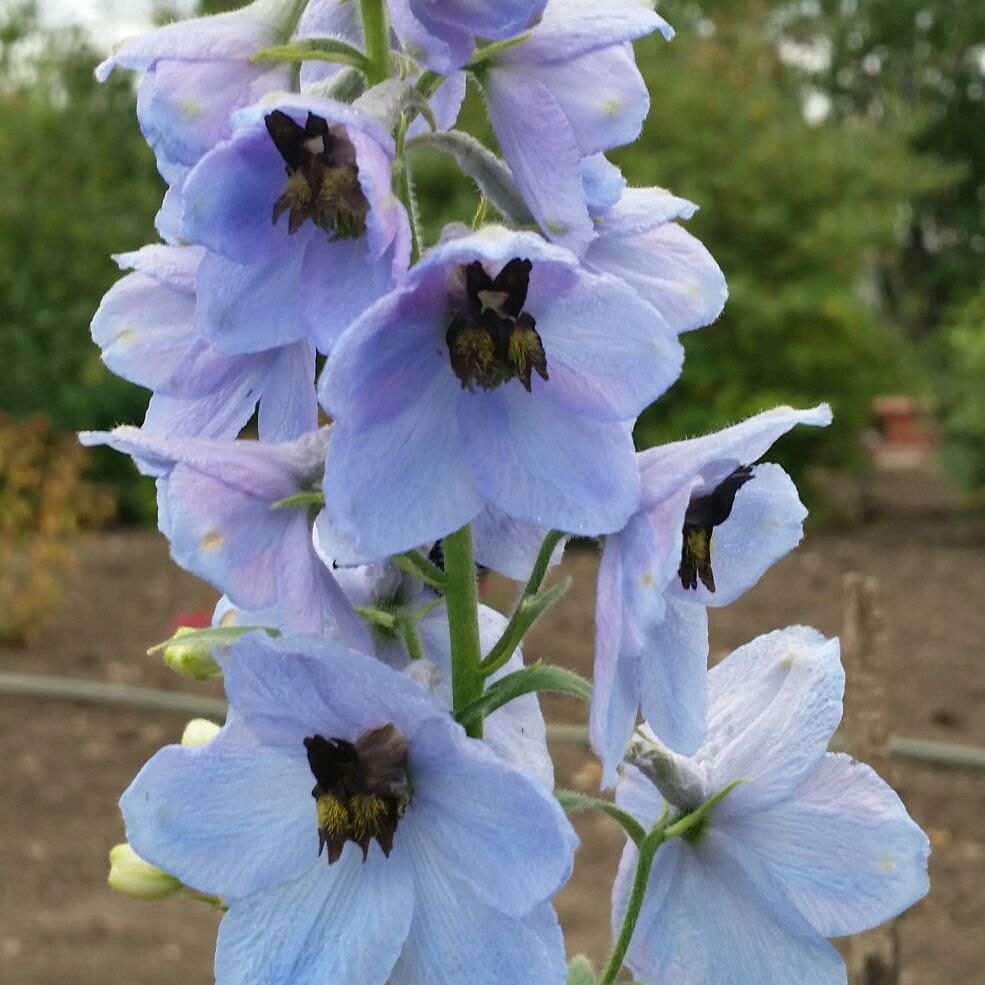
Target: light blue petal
[
  {"x": 226, "y": 536},
  {"x": 570, "y": 28},
  {"x": 495, "y": 827},
  {"x": 380, "y": 367},
  {"x": 766, "y": 522},
  {"x": 252, "y": 308},
  {"x": 609, "y": 354},
  {"x": 704, "y": 921},
  {"x": 664, "y": 468},
  {"x": 610, "y": 112},
  {"x": 640, "y": 210},
  {"x": 536, "y": 461},
  {"x": 651, "y": 555},
  {"x": 335, "y": 925},
  {"x": 496, "y": 20},
  {"x": 186, "y": 112},
  {"x": 289, "y": 407},
  {"x": 508, "y": 545},
  {"x": 669, "y": 268},
  {"x": 337, "y": 283},
  {"x": 438, "y": 45},
  {"x": 221, "y": 395},
  {"x": 229, "y": 817},
  {"x": 674, "y": 677},
  {"x": 237, "y": 34},
  {"x": 229, "y": 198},
  {"x": 773, "y": 705},
  {"x": 301, "y": 685},
  {"x": 167, "y": 222},
  {"x": 602, "y": 183},
  {"x": 144, "y": 329},
  {"x": 542, "y": 151},
  {"x": 455, "y": 936},
  {"x": 405, "y": 482},
  {"x": 616, "y": 675},
  {"x": 843, "y": 847}
]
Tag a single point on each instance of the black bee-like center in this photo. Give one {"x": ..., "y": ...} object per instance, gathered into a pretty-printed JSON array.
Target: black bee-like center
[
  {"x": 322, "y": 176},
  {"x": 362, "y": 789},
  {"x": 703, "y": 514},
  {"x": 491, "y": 339}
]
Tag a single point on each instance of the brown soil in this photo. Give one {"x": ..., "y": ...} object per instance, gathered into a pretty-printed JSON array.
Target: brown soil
[{"x": 65, "y": 765}]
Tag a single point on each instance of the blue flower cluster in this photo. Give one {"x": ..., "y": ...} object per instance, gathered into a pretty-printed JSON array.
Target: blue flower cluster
[{"x": 379, "y": 806}]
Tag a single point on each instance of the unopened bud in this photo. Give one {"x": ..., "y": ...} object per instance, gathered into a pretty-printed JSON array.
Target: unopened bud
[
  {"x": 192, "y": 660},
  {"x": 198, "y": 731},
  {"x": 131, "y": 875}
]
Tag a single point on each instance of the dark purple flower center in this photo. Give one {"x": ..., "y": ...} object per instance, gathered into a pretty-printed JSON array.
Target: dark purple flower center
[
  {"x": 322, "y": 176},
  {"x": 491, "y": 339},
  {"x": 704, "y": 513},
  {"x": 362, "y": 789}
]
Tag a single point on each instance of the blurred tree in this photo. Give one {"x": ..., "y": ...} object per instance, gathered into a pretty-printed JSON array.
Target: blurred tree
[
  {"x": 77, "y": 184},
  {"x": 800, "y": 212},
  {"x": 926, "y": 58},
  {"x": 961, "y": 351}
]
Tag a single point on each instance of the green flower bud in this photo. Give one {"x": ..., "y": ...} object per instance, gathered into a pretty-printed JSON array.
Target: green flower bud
[
  {"x": 192, "y": 660},
  {"x": 198, "y": 731},
  {"x": 131, "y": 875}
]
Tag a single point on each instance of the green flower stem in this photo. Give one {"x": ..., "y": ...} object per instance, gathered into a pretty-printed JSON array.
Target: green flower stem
[
  {"x": 527, "y": 609},
  {"x": 404, "y": 187},
  {"x": 376, "y": 34},
  {"x": 647, "y": 852},
  {"x": 462, "y": 599}
]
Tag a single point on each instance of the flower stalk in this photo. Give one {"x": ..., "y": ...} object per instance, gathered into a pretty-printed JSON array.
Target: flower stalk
[
  {"x": 462, "y": 599},
  {"x": 375, "y": 31}
]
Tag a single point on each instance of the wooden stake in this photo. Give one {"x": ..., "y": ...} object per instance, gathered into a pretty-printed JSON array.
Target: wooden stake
[{"x": 872, "y": 957}]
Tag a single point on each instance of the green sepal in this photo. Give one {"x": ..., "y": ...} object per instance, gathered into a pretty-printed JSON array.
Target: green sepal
[
  {"x": 416, "y": 564},
  {"x": 315, "y": 49},
  {"x": 580, "y": 971},
  {"x": 526, "y": 681},
  {"x": 313, "y": 498},
  {"x": 491, "y": 50},
  {"x": 213, "y": 636},
  {"x": 680, "y": 825},
  {"x": 572, "y": 801}
]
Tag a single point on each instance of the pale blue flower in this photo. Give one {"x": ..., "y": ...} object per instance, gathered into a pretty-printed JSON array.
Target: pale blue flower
[
  {"x": 814, "y": 845},
  {"x": 464, "y": 854},
  {"x": 198, "y": 71},
  {"x": 422, "y": 444},
  {"x": 289, "y": 260},
  {"x": 659, "y": 574},
  {"x": 145, "y": 327},
  {"x": 568, "y": 93},
  {"x": 218, "y": 505}
]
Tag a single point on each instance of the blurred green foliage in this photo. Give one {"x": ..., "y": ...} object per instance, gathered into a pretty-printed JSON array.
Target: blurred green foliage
[
  {"x": 961, "y": 354},
  {"x": 77, "y": 184}
]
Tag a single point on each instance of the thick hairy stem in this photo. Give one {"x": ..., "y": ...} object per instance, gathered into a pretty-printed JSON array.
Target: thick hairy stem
[
  {"x": 462, "y": 600},
  {"x": 376, "y": 33}
]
